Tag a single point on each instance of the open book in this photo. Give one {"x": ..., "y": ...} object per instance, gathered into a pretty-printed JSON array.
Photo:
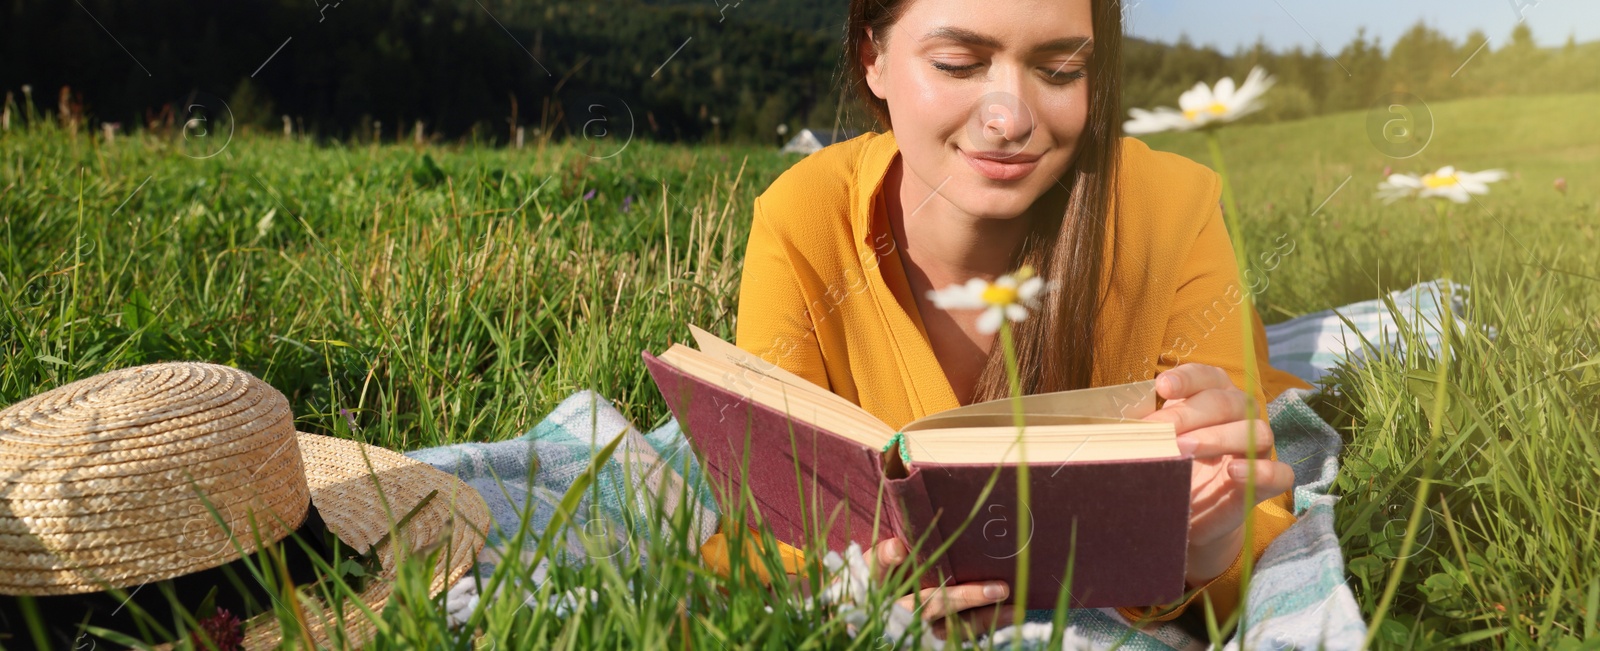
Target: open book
[{"x": 1106, "y": 488}]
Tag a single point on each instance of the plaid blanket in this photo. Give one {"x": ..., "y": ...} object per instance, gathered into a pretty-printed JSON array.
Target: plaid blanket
[
  {"x": 1311, "y": 345},
  {"x": 1297, "y": 599},
  {"x": 530, "y": 474}
]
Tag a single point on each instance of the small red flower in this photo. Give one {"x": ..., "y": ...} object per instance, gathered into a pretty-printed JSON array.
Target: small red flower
[{"x": 223, "y": 630}]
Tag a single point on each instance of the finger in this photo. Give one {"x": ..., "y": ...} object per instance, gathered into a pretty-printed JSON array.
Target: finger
[
  {"x": 1222, "y": 511},
  {"x": 885, "y": 556},
  {"x": 1228, "y": 438},
  {"x": 938, "y": 603},
  {"x": 1272, "y": 477},
  {"x": 1203, "y": 409},
  {"x": 1188, "y": 379}
]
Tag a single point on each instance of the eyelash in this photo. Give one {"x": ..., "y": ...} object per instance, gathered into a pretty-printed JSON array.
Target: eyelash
[
  {"x": 957, "y": 71},
  {"x": 950, "y": 68}
]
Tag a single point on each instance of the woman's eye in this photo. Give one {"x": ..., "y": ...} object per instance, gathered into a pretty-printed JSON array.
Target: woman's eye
[
  {"x": 1058, "y": 75},
  {"x": 955, "y": 70},
  {"x": 1061, "y": 76}
]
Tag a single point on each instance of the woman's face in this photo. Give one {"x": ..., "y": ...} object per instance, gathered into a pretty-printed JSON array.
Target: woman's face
[{"x": 988, "y": 99}]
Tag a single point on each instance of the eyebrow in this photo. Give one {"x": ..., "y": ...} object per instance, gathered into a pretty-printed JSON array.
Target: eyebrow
[{"x": 969, "y": 37}]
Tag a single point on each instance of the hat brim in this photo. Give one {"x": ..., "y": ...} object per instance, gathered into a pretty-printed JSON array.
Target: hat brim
[{"x": 362, "y": 491}]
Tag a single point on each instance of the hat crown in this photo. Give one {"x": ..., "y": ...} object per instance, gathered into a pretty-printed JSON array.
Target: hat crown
[{"x": 140, "y": 475}]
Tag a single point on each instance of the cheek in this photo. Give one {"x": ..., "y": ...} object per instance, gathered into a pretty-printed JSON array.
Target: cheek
[
  {"x": 925, "y": 105},
  {"x": 929, "y": 113},
  {"x": 1065, "y": 113}
]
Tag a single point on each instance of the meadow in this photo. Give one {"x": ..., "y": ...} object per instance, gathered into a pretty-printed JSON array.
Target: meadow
[{"x": 412, "y": 297}]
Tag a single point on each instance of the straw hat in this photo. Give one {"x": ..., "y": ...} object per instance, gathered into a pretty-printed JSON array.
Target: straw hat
[{"x": 101, "y": 485}]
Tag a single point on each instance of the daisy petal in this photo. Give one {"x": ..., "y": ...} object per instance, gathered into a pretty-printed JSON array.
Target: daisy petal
[
  {"x": 1486, "y": 176},
  {"x": 1236, "y": 112},
  {"x": 1030, "y": 289},
  {"x": 1223, "y": 92},
  {"x": 1144, "y": 127},
  {"x": 1255, "y": 85},
  {"x": 1016, "y": 313},
  {"x": 989, "y": 322},
  {"x": 1144, "y": 122},
  {"x": 958, "y": 297},
  {"x": 1404, "y": 180},
  {"x": 1197, "y": 98}
]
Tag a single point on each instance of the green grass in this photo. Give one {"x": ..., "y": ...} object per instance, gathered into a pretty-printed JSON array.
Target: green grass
[
  {"x": 1506, "y": 549},
  {"x": 456, "y": 294}
]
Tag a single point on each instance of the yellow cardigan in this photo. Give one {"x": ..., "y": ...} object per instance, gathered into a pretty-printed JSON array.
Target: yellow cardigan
[{"x": 824, "y": 295}]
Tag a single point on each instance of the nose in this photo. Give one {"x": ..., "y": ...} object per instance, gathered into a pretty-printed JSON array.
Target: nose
[{"x": 1004, "y": 120}]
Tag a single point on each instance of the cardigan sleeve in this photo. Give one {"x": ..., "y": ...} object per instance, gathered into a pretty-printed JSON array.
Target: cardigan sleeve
[
  {"x": 774, "y": 322},
  {"x": 1203, "y": 328}
]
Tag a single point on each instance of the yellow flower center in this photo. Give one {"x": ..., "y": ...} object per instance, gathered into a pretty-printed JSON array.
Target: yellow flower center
[
  {"x": 999, "y": 295},
  {"x": 1436, "y": 182},
  {"x": 1216, "y": 108}
]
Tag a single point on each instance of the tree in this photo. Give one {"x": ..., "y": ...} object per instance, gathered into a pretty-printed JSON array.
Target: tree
[
  {"x": 1421, "y": 62},
  {"x": 251, "y": 109},
  {"x": 1522, "y": 63},
  {"x": 1362, "y": 68}
]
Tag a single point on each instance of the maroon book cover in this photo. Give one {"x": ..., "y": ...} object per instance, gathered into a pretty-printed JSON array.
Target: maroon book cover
[
  {"x": 1130, "y": 518},
  {"x": 801, "y": 477}
]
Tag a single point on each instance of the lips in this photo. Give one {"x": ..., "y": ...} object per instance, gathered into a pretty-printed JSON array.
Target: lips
[{"x": 1001, "y": 165}]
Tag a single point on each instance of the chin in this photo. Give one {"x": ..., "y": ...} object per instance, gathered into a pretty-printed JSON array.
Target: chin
[{"x": 981, "y": 197}]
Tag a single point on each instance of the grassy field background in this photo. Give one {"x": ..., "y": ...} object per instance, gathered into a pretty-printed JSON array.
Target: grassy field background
[{"x": 414, "y": 297}]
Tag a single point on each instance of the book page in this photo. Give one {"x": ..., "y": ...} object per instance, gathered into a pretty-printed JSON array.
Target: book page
[
  {"x": 717, "y": 348},
  {"x": 1123, "y": 402},
  {"x": 953, "y": 420},
  {"x": 848, "y": 420},
  {"x": 1108, "y": 440}
]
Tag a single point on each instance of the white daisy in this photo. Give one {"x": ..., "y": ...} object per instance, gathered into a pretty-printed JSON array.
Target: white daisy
[
  {"x": 1446, "y": 183},
  {"x": 1009, "y": 297},
  {"x": 849, "y": 576},
  {"x": 1162, "y": 119},
  {"x": 1203, "y": 107}
]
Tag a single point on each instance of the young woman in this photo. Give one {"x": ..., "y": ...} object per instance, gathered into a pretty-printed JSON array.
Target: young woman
[{"x": 1002, "y": 148}]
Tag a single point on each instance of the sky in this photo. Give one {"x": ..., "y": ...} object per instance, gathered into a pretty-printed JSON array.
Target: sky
[{"x": 1227, "y": 24}]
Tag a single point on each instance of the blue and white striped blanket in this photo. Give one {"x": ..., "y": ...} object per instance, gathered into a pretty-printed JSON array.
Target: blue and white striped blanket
[
  {"x": 1297, "y": 599},
  {"x": 1311, "y": 345}
]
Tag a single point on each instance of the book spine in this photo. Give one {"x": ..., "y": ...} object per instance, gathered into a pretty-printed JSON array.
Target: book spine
[{"x": 913, "y": 518}]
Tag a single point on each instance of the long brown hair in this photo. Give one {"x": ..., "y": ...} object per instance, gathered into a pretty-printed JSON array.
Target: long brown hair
[{"x": 1055, "y": 350}]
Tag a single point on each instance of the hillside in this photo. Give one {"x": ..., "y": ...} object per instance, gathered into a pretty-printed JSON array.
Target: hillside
[
  {"x": 667, "y": 70},
  {"x": 1286, "y": 171}
]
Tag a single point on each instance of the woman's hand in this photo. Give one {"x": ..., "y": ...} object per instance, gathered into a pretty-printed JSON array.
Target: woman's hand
[
  {"x": 972, "y": 607},
  {"x": 1209, "y": 414}
]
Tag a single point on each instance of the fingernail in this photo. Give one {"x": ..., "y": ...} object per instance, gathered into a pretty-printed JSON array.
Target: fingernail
[
  {"x": 1173, "y": 384},
  {"x": 1187, "y": 445},
  {"x": 995, "y": 591},
  {"x": 897, "y": 553},
  {"x": 1239, "y": 469}
]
